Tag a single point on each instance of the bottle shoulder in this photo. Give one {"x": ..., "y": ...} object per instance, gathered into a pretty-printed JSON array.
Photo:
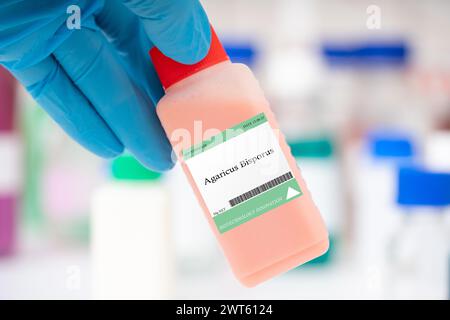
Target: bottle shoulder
[
  {"x": 216, "y": 98},
  {"x": 223, "y": 81}
]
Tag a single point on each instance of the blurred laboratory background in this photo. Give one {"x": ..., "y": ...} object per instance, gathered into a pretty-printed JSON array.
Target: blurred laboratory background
[{"x": 361, "y": 90}]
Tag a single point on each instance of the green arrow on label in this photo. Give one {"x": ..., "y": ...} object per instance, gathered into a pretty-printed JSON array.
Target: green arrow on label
[{"x": 258, "y": 205}]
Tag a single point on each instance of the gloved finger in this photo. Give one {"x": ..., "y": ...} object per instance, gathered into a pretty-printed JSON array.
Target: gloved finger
[
  {"x": 55, "y": 92},
  {"x": 31, "y": 30},
  {"x": 95, "y": 68},
  {"x": 179, "y": 28},
  {"x": 124, "y": 31}
]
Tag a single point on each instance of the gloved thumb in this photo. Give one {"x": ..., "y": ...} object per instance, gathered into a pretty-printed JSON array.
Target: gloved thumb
[{"x": 179, "y": 28}]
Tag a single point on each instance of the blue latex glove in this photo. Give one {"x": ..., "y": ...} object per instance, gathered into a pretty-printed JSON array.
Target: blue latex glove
[{"x": 98, "y": 82}]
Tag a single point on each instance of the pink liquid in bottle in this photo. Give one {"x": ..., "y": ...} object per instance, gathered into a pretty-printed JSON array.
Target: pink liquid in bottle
[{"x": 239, "y": 165}]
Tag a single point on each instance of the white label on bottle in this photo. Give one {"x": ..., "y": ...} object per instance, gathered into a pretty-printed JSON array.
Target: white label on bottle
[{"x": 241, "y": 173}]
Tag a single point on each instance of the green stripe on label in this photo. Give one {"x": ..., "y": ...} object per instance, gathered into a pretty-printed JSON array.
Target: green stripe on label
[
  {"x": 258, "y": 205},
  {"x": 224, "y": 136}
]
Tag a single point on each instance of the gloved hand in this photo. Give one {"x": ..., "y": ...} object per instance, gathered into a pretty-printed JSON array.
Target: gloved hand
[{"x": 98, "y": 82}]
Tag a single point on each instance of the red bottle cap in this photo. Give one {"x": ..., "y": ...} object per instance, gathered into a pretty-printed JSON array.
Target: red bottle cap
[{"x": 170, "y": 71}]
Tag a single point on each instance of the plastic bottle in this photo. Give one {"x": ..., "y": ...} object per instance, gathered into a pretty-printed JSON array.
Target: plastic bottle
[
  {"x": 131, "y": 240},
  {"x": 420, "y": 247},
  {"x": 10, "y": 165},
  {"x": 374, "y": 177},
  {"x": 239, "y": 165}
]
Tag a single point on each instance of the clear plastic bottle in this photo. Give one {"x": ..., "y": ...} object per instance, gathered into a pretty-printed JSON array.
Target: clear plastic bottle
[
  {"x": 239, "y": 165},
  {"x": 376, "y": 216},
  {"x": 418, "y": 251},
  {"x": 131, "y": 240}
]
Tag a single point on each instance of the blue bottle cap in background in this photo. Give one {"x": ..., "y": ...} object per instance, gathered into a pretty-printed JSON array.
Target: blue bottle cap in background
[
  {"x": 366, "y": 53},
  {"x": 390, "y": 144},
  {"x": 419, "y": 187},
  {"x": 240, "y": 52}
]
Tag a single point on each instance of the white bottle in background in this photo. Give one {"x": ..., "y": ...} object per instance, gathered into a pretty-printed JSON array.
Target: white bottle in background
[
  {"x": 196, "y": 249},
  {"x": 131, "y": 239},
  {"x": 375, "y": 212},
  {"x": 419, "y": 248}
]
